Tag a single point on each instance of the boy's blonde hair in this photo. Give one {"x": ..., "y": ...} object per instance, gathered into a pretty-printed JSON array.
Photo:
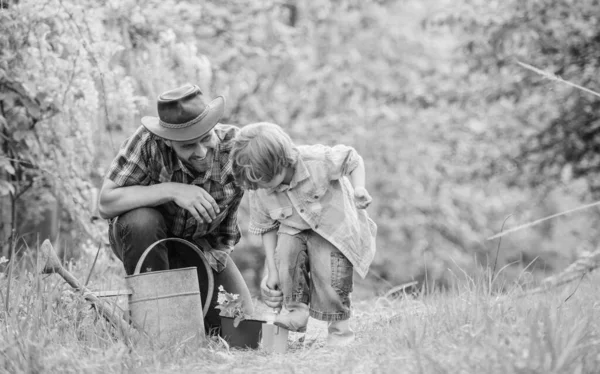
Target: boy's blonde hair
[{"x": 261, "y": 151}]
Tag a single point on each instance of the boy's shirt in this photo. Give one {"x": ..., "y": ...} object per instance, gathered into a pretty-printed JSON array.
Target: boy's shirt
[
  {"x": 146, "y": 160},
  {"x": 321, "y": 198}
]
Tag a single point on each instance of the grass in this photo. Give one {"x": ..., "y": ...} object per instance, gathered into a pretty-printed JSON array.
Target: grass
[{"x": 46, "y": 327}]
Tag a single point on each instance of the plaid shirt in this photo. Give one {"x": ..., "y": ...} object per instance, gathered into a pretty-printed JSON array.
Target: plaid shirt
[
  {"x": 144, "y": 159},
  {"x": 319, "y": 198}
]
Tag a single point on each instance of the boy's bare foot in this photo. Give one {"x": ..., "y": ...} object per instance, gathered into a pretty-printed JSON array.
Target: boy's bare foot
[
  {"x": 339, "y": 334},
  {"x": 297, "y": 318}
]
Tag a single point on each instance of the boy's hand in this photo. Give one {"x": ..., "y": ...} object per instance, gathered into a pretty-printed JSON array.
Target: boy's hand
[
  {"x": 272, "y": 297},
  {"x": 362, "y": 199},
  {"x": 273, "y": 280}
]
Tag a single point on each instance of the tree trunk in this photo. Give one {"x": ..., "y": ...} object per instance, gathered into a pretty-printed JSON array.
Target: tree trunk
[
  {"x": 6, "y": 209},
  {"x": 5, "y": 224}
]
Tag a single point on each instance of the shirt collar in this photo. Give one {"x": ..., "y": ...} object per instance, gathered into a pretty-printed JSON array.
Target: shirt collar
[{"x": 300, "y": 174}]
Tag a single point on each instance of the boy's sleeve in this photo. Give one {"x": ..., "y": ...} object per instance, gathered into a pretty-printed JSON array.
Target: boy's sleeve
[
  {"x": 260, "y": 221},
  {"x": 341, "y": 160},
  {"x": 130, "y": 166}
]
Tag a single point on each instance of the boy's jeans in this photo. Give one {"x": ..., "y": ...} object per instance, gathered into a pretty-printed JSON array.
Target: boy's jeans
[
  {"x": 132, "y": 232},
  {"x": 327, "y": 289}
]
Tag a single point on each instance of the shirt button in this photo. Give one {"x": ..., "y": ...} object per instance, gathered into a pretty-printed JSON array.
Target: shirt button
[
  {"x": 301, "y": 210},
  {"x": 282, "y": 215},
  {"x": 316, "y": 196},
  {"x": 316, "y": 227}
]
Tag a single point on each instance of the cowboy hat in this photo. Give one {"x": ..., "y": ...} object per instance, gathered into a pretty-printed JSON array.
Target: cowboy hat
[{"x": 184, "y": 115}]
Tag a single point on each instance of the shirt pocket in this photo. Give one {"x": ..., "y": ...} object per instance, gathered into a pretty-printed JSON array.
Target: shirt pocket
[
  {"x": 159, "y": 173},
  {"x": 314, "y": 197},
  {"x": 281, "y": 214},
  {"x": 314, "y": 193}
]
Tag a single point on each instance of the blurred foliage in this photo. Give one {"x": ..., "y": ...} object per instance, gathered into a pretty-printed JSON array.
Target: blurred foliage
[
  {"x": 49, "y": 107},
  {"x": 537, "y": 135},
  {"x": 555, "y": 127},
  {"x": 453, "y": 133}
]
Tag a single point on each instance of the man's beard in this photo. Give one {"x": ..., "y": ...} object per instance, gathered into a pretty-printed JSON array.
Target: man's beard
[{"x": 202, "y": 165}]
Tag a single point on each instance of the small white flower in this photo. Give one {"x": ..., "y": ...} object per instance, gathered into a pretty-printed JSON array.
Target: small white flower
[
  {"x": 235, "y": 296},
  {"x": 3, "y": 260},
  {"x": 221, "y": 299},
  {"x": 221, "y": 289}
]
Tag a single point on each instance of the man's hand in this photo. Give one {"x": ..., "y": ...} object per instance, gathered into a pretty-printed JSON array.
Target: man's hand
[
  {"x": 195, "y": 200},
  {"x": 272, "y": 297},
  {"x": 362, "y": 199}
]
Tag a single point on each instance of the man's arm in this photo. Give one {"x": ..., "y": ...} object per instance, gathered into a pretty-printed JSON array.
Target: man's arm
[
  {"x": 115, "y": 200},
  {"x": 128, "y": 183}
]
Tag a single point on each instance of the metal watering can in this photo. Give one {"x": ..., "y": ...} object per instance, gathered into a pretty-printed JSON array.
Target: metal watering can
[{"x": 167, "y": 304}]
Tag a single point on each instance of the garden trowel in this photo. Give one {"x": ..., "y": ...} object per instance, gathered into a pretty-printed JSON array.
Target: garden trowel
[{"x": 274, "y": 338}]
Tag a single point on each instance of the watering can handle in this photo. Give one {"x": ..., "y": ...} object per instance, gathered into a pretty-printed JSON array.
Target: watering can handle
[{"x": 209, "y": 273}]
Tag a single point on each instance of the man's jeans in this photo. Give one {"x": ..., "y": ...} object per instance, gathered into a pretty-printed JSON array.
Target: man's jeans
[
  {"x": 134, "y": 231},
  {"x": 327, "y": 289}
]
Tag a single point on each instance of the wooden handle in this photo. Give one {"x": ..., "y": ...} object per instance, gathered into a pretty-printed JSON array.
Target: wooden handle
[
  {"x": 49, "y": 263},
  {"x": 109, "y": 312}
]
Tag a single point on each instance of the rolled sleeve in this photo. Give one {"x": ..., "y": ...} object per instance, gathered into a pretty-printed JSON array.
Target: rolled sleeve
[
  {"x": 255, "y": 230},
  {"x": 217, "y": 259},
  {"x": 341, "y": 160},
  {"x": 260, "y": 221},
  {"x": 228, "y": 233},
  {"x": 216, "y": 252}
]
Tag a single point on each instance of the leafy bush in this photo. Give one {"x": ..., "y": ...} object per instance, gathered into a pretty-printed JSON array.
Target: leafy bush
[{"x": 435, "y": 109}]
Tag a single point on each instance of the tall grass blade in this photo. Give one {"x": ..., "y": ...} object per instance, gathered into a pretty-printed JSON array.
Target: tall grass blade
[
  {"x": 87, "y": 280},
  {"x": 537, "y": 222},
  {"x": 11, "y": 265},
  {"x": 555, "y": 77}
]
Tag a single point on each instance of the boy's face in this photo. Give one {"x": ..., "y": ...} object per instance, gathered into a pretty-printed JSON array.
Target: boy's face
[
  {"x": 276, "y": 181},
  {"x": 195, "y": 151}
]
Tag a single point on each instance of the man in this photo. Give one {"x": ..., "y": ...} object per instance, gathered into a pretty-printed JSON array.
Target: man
[{"x": 173, "y": 178}]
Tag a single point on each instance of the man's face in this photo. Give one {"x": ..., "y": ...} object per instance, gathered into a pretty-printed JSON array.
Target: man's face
[{"x": 194, "y": 152}]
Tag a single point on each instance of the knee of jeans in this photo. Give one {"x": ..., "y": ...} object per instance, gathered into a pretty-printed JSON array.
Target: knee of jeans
[
  {"x": 341, "y": 274},
  {"x": 141, "y": 219}
]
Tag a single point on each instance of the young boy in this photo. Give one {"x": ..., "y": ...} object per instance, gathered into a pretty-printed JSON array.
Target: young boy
[{"x": 308, "y": 204}]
